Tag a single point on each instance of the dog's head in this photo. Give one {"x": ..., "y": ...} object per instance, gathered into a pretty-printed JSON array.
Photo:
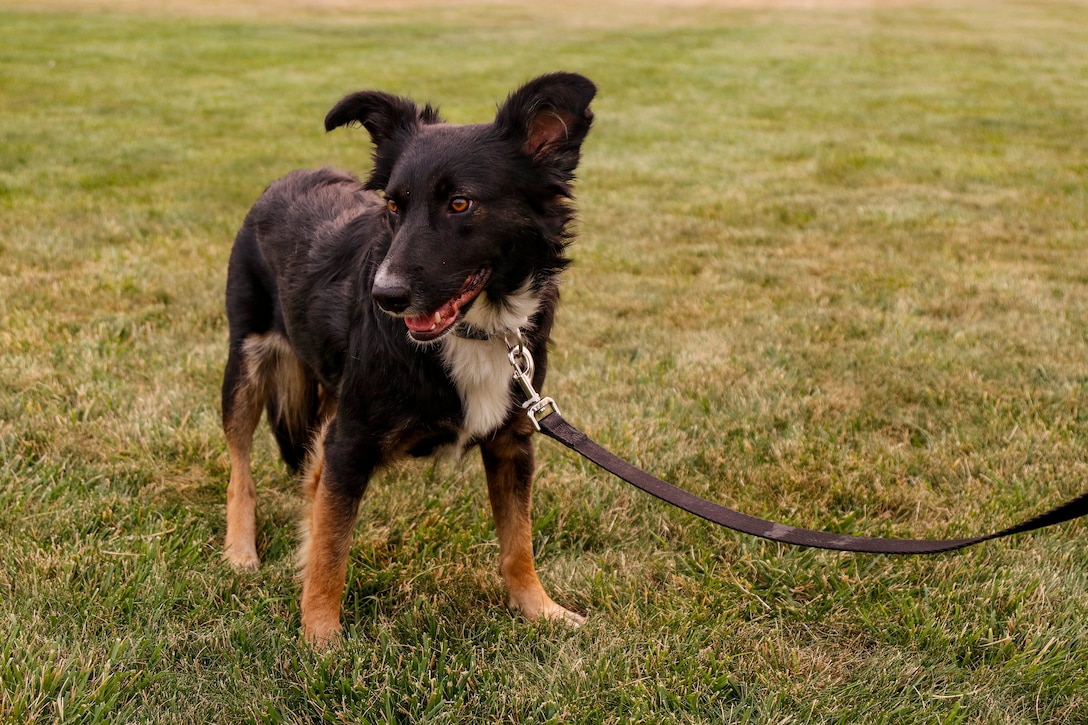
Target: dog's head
[{"x": 478, "y": 214}]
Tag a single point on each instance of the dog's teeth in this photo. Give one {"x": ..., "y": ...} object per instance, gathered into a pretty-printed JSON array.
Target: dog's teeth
[{"x": 437, "y": 317}]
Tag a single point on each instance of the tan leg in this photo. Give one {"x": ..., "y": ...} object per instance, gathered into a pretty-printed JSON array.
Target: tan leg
[
  {"x": 508, "y": 460},
  {"x": 323, "y": 557},
  {"x": 240, "y": 546}
]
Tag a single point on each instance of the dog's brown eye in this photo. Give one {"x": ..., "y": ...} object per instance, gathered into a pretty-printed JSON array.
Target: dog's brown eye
[
  {"x": 459, "y": 205},
  {"x": 391, "y": 206}
]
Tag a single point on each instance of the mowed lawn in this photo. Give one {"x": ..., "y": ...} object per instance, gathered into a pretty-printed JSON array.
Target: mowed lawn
[{"x": 831, "y": 270}]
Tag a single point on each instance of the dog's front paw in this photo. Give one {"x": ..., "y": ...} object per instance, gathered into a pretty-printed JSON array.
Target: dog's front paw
[
  {"x": 322, "y": 634},
  {"x": 242, "y": 558},
  {"x": 538, "y": 605},
  {"x": 564, "y": 615}
]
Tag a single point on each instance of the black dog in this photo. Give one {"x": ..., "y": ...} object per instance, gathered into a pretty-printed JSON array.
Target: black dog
[{"x": 369, "y": 319}]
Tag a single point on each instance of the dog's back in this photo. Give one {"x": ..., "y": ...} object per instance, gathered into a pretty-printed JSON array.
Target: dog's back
[{"x": 301, "y": 212}]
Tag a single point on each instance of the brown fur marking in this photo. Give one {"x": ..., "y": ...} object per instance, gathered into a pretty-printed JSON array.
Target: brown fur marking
[
  {"x": 508, "y": 461},
  {"x": 323, "y": 556}
]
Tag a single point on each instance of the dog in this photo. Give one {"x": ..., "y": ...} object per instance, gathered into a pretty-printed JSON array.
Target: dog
[{"x": 370, "y": 320}]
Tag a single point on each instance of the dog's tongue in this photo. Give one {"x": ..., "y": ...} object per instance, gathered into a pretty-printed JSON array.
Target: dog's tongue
[{"x": 441, "y": 317}]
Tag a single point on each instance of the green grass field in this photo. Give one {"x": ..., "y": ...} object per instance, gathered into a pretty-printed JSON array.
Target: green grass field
[{"x": 832, "y": 270}]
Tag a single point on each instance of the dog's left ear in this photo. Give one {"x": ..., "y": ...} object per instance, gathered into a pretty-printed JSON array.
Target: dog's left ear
[{"x": 549, "y": 118}]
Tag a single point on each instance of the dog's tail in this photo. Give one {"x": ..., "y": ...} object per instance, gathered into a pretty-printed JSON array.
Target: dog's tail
[
  {"x": 292, "y": 396},
  {"x": 293, "y": 417}
]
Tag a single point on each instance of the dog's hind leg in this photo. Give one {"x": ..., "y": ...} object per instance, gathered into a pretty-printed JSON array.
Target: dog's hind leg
[
  {"x": 508, "y": 462},
  {"x": 262, "y": 371},
  {"x": 244, "y": 395}
]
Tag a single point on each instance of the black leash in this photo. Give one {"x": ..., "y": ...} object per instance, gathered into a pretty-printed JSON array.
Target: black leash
[
  {"x": 555, "y": 426},
  {"x": 546, "y": 417}
]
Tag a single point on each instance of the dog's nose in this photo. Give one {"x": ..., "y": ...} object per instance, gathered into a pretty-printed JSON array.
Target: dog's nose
[{"x": 393, "y": 297}]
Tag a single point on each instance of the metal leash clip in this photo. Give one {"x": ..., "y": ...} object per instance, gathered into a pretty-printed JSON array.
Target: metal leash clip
[{"x": 521, "y": 360}]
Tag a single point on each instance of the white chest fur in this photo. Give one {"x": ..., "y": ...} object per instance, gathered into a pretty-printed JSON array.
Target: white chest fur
[{"x": 481, "y": 369}]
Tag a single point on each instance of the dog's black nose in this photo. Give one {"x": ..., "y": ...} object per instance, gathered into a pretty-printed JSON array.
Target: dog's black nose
[{"x": 393, "y": 298}]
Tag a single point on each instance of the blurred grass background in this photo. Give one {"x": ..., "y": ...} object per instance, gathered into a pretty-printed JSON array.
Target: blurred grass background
[{"x": 831, "y": 270}]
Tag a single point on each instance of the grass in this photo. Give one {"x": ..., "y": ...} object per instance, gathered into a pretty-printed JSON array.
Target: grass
[{"x": 831, "y": 270}]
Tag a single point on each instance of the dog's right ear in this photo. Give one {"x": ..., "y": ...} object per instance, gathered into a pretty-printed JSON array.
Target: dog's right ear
[{"x": 388, "y": 119}]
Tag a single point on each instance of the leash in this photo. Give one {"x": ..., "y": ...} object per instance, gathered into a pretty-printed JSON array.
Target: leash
[{"x": 545, "y": 415}]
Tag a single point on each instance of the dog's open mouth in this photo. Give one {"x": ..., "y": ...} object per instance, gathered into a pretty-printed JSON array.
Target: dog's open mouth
[{"x": 425, "y": 328}]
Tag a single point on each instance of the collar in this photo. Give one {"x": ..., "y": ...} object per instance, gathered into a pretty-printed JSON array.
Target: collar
[{"x": 469, "y": 331}]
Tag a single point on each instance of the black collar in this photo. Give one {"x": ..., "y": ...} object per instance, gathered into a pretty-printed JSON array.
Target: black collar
[{"x": 471, "y": 332}]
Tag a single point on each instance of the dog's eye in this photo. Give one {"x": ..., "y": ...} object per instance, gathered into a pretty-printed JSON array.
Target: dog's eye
[
  {"x": 391, "y": 206},
  {"x": 459, "y": 205}
]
